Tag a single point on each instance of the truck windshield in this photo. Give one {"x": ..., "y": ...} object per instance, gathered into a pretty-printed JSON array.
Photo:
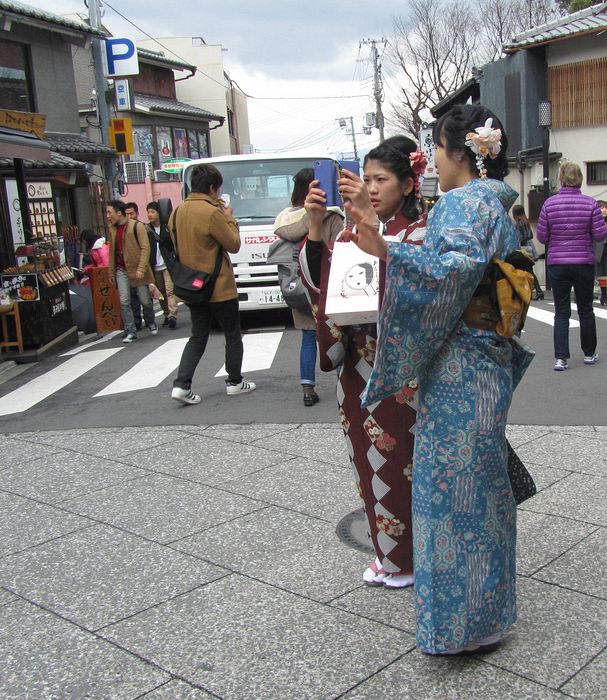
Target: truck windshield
[{"x": 258, "y": 189}]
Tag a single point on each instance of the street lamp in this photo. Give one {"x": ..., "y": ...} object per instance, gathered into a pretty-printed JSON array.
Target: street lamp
[{"x": 545, "y": 121}]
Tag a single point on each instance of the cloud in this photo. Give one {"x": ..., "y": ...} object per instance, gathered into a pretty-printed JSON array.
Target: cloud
[{"x": 276, "y": 49}]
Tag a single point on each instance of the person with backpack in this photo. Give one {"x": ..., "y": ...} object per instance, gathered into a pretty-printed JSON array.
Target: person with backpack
[
  {"x": 164, "y": 283},
  {"x": 291, "y": 226}
]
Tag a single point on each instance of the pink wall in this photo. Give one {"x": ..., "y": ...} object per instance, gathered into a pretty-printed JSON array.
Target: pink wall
[{"x": 149, "y": 191}]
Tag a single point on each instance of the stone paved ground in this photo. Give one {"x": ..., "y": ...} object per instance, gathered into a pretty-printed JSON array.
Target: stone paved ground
[{"x": 197, "y": 562}]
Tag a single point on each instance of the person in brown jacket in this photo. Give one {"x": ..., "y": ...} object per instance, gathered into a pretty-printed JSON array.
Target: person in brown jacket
[
  {"x": 203, "y": 224},
  {"x": 130, "y": 267}
]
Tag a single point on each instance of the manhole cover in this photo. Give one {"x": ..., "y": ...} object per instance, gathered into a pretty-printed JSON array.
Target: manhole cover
[{"x": 352, "y": 530}]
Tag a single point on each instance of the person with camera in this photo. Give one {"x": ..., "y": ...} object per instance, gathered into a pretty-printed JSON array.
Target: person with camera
[{"x": 200, "y": 227}]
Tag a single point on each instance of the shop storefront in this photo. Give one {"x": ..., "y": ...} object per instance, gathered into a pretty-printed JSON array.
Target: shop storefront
[{"x": 34, "y": 271}]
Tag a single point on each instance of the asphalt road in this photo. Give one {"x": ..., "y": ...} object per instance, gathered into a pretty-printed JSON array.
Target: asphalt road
[{"x": 106, "y": 385}]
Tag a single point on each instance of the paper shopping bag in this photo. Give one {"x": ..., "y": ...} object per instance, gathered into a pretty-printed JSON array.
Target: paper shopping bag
[{"x": 353, "y": 288}]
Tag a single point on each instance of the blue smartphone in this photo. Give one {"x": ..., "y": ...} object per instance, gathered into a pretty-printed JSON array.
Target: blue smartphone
[{"x": 326, "y": 171}]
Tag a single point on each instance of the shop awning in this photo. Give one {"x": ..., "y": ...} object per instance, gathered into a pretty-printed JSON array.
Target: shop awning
[{"x": 21, "y": 144}]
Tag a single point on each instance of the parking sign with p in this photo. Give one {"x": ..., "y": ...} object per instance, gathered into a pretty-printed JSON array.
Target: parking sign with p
[{"x": 120, "y": 57}]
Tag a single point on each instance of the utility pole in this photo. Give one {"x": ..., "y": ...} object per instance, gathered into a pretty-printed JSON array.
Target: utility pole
[
  {"x": 101, "y": 90},
  {"x": 377, "y": 83},
  {"x": 342, "y": 122}
]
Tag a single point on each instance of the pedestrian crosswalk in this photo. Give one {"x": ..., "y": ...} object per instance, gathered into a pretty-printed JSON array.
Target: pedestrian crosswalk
[{"x": 260, "y": 351}]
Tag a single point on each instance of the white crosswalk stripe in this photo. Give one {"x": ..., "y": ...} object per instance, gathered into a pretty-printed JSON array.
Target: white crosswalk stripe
[
  {"x": 259, "y": 352},
  {"x": 149, "y": 372},
  {"x": 546, "y": 316},
  {"x": 87, "y": 346},
  {"x": 52, "y": 381}
]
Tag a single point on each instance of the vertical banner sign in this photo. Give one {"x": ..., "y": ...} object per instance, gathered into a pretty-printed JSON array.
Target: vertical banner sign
[
  {"x": 120, "y": 57},
  {"x": 123, "y": 95},
  {"x": 106, "y": 302}
]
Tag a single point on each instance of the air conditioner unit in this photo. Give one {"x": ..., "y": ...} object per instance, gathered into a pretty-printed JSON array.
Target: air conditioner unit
[
  {"x": 135, "y": 171},
  {"x": 165, "y": 176}
]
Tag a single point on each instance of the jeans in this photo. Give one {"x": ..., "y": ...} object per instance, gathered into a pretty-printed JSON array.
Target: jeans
[
  {"x": 226, "y": 313},
  {"x": 581, "y": 278},
  {"x": 307, "y": 357},
  {"x": 124, "y": 290}
]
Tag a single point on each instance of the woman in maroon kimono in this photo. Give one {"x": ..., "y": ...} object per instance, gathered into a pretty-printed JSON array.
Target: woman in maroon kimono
[{"x": 380, "y": 437}]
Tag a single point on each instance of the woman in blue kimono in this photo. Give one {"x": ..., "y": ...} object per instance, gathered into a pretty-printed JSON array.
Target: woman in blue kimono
[{"x": 464, "y": 513}]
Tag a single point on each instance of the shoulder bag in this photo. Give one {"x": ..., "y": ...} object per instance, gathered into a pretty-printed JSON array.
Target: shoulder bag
[{"x": 193, "y": 286}]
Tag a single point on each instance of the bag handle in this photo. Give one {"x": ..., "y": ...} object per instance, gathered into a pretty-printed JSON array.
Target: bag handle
[{"x": 219, "y": 252}]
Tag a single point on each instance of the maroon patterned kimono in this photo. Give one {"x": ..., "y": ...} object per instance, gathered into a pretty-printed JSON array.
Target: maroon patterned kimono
[{"x": 380, "y": 437}]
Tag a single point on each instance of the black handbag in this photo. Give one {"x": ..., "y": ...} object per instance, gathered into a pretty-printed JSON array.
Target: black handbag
[
  {"x": 521, "y": 481},
  {"x": 193, "y": 286}
]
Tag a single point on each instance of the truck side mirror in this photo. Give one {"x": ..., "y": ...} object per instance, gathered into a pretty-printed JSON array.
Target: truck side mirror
[{"x": 166, "y": 207}]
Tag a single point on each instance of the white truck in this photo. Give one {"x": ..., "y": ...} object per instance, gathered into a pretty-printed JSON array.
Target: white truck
[{"x": 259, "y": 187}]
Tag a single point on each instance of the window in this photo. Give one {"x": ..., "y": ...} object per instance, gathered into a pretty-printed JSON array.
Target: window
[
  {"x": 577, "y": 94},
  {"x": 596, "y": 173},
  {"x": 15, "y": 89},
  {"x": 165, "y": 144},
  {"x": 180, "y": 143}
]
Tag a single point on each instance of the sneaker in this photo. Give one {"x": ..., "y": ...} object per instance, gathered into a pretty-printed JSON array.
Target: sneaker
[
  {"x": 153, "y": 329},
  {"x": 172, "y": 322},
  {"x": 165, "y": 323},
  {"x": 242, "y": 388},
  {"x": 560, "y": 365},
  {"x": 591, "y": 359},
  {"x": 185, "y": 396},
  {"x": 129, "y": 337}
]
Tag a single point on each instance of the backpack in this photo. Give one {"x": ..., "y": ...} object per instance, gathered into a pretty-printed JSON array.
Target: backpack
[
  {"x": 285, "y": 255},
  {"x": 153, "y": 245}
]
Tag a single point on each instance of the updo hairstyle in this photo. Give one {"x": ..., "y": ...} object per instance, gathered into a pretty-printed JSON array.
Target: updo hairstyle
[{"x": 450, "y": 131}]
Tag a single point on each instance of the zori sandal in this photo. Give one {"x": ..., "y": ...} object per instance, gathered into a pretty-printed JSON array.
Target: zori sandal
[{"x": 374, "y": 574}]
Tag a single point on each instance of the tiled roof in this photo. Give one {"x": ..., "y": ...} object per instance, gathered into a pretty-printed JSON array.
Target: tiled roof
[
  {"x": 147, "y": 103},
  {"x": 57, "y": 162},
  {"x": 33, "y": 13},
  {"x": 157, "y": 57},
  {"x": 589, "y": 21},
  {"x": 76, "y": 144}
]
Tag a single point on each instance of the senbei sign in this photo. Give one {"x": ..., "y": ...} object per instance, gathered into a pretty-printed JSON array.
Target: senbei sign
[{"x": 120, "y": 57}]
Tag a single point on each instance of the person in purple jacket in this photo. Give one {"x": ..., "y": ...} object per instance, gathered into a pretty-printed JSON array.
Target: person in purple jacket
[{"x": 570, "y": 222}]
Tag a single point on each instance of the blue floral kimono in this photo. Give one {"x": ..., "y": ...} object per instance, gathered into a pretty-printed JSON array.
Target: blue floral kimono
[{"x": 464, "y": 514}]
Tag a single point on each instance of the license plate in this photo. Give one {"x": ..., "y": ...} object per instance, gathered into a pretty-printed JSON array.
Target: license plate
[{"x": 270, "y": 296}]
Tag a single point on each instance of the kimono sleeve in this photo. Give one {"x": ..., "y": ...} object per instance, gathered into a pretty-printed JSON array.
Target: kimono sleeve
[{"x": 427, "y": 289}]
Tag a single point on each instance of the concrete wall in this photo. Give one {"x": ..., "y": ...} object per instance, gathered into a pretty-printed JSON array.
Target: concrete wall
[
  {"x": 53, "y": 81},
  {"x": 207, "y": 89}
]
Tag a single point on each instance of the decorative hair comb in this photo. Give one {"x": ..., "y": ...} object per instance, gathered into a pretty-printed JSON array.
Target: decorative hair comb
[{"x": 484, "y": 141}]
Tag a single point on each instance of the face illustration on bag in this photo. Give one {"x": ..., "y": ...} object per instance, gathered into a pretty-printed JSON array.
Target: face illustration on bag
[{"x": 359, "y": 278}]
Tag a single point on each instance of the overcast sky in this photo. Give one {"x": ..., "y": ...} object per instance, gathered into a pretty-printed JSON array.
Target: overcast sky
[{"x": 275, "y": 49}]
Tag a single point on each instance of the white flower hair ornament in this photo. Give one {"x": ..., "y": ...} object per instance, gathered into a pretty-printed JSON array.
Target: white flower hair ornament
[{"x": 484, "y": 141}]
